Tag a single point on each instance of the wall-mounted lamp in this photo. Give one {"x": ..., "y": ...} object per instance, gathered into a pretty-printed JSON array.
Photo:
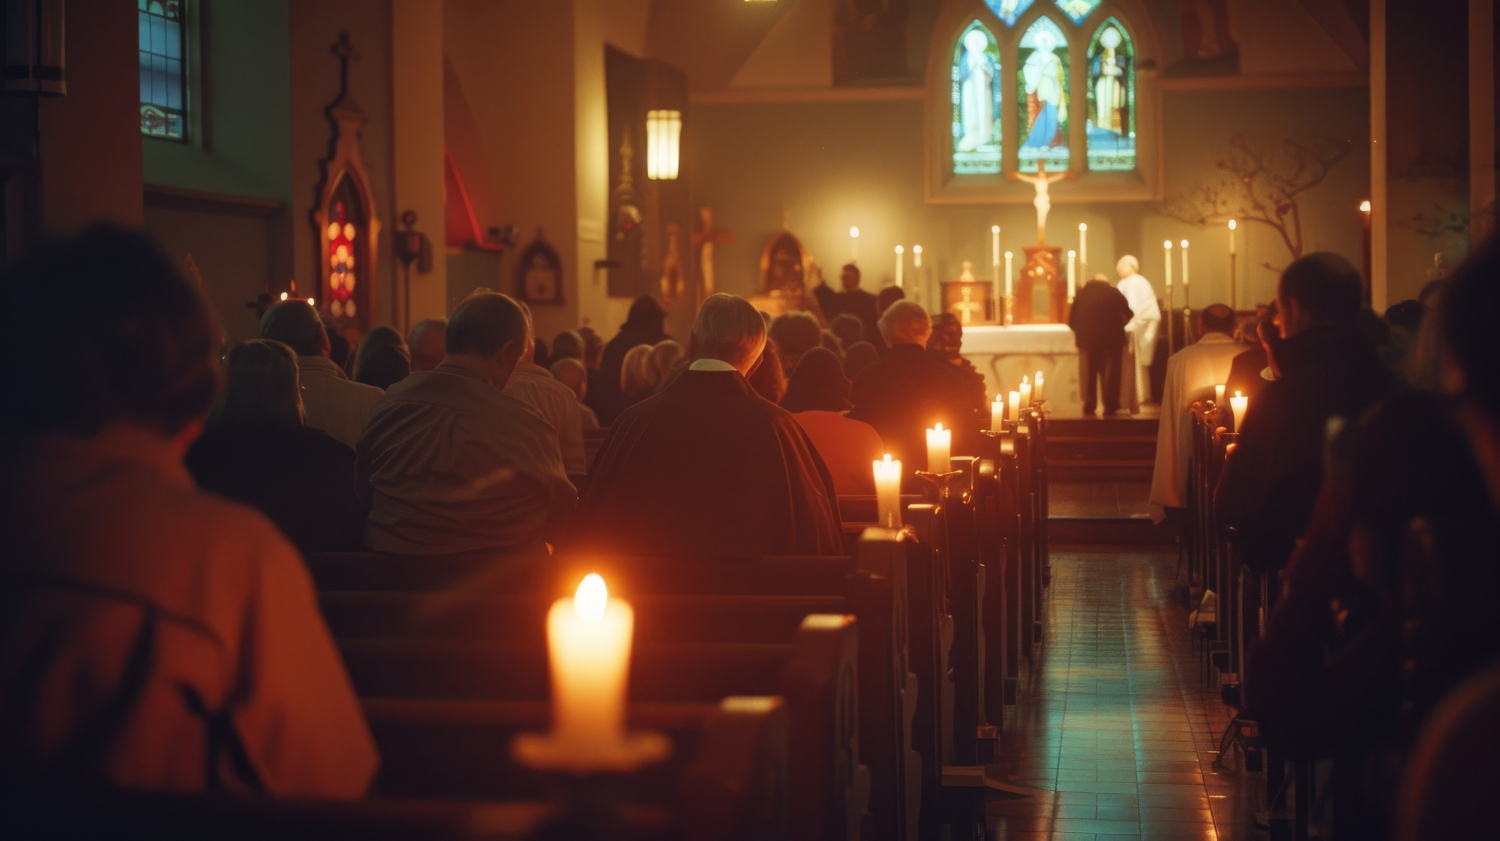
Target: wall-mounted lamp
[{"x": 663, "y": 141}]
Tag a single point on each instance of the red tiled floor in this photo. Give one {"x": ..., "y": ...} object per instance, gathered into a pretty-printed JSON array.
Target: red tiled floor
[{"x": 1115, "y": 723}]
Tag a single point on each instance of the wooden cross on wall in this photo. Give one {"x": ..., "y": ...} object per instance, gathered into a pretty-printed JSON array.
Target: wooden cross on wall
[
  {"x": 704, "y": 240},
  {"x": 344, "y": 50}
]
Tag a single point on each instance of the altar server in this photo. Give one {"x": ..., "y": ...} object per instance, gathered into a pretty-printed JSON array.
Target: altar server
[{"x": 1144, "y": 322}]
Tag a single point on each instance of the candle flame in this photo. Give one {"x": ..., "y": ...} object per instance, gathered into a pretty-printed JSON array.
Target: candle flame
[
  {"x": 1007, "y": 255},
  {"x": 1083, "y": 226},
  {"x": 887, "y": 458},
  {"x": 994, "y": 229},
  {"x": 854, "y": 232},
  {"x": 1038, "y": 376},
  {"x": 1233, "y": 224},
  {"x": 939, "y": 427},
  {"x": 1184, "y": 243},
  {"x": 1167, "y": 245},
  {"x": 1237, "y": 393},
  {"x": 591, "y": 598},
  {"x": 283, "y": 296},
  {"x": 900, "y": 249},
  {"x": 1025, "y": 381},
  {"x": 311, "y": 302},
  {"x": 1364, "y": 206}
]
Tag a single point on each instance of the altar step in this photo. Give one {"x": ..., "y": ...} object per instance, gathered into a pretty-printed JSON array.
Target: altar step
[{"x": 1118, "y": 449}]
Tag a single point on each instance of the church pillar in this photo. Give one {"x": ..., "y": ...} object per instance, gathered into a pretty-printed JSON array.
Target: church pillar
[
  {"x": 417, "y": 146},
  {"x": 591, "y": 161},
  {"x": 1482, "y": 35}
]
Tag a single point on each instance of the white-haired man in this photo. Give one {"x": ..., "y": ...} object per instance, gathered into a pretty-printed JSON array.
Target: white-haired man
[
  {"x": 1144, "y": 322},
  {"x": 908, "y": 389},
  {"x": 707, "y": 467}
]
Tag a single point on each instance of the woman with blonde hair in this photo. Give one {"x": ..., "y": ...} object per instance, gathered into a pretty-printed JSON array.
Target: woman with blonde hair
[
  {"x": 663, "y": 364},
  {"x": 635, "y": 378}
]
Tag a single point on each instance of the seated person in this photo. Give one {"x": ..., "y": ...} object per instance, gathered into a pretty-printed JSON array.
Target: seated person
[
  {"x": 572, "y": 373},
  {"x": 425, "y": 343},
  {"x": 450, "y": 463},
  {"x": 908, "y": 390},
  {"x": 666, "y": 361},
  {"x": 794, "y": 334},
  {"x": 333, "y": 403},
  {"x": 947, "y": 344},
  {"x": 383, "y": 359},
  {"x": 556, "y": 404},
  {"x": 256, "y": 450},
  {"x": 707, "y": 467},
  {"x": 154, "y": 636},
  {"x": 818, "y": 396},
  {"x": 1192, "y": 374}
]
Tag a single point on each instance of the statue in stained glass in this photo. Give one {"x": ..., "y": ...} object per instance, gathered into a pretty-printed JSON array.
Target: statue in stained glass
[
  {"x": 1077, "y": 10},
  {"x": 1008, "y": 10},
  {"x": 1044, "y": 85},
  {"x": 1111, "y": 126},
  {"x": 976, "y": 103}
]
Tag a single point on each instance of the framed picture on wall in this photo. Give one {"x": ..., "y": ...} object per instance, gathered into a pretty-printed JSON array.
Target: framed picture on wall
[{"x": 539, "y": 273}]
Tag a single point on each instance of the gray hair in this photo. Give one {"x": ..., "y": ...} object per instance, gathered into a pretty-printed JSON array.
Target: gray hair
[
  {"x": 1128, "y": 260},
  {"x": 728, "y": 328},
  {"x": 905, "y": 323}
]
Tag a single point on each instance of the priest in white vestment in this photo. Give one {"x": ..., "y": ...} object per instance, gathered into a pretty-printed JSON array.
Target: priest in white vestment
[
  {"x": 1144, "y": 322},
  {"x": 1192, "y": 374}
]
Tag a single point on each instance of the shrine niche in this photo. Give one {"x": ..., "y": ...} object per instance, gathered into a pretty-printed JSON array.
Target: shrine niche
[
  {"x": 345, "y": 216},
  {"x": 1042, "y": 293},
  {"x": 539, "y": 273},
  {"x": 970, "y": 300},
  {"x": 784, "y": 270}
]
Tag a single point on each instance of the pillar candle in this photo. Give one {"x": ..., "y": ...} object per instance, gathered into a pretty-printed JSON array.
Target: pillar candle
[
  {"x": 888, "y": 492},
  {"x": 1238, "y": 403},
  {"x": 853, "y": 244},
  {"x": 939, "y": 445},
  {"x": 1025, "y": 393},
  {"x": 1167, "y": 247},
  {"x": 1014, "y": 403},
  {"x": 588, "y": 647},
  {"x": 1218, "y": 395},
  {"x": 1186, "y": 299},
  {"x": 997, "y": 416},
  {"x": 1072, "y": 274},
  {"x": 900, "y": 263},
  {"x": 1083, "y": 243},
  {"x": 1007, "y": 274},
  {"x": 1036, "y": 391},
  {"x": 995, "y": 265}
]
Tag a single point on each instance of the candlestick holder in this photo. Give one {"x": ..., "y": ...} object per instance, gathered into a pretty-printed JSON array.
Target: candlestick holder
[
  {"x": 583, "y": 806},
  {"x": 631, "y": 752},
  {"x": 1010, "y": 309},
  {"x": 943, "y": 483}
]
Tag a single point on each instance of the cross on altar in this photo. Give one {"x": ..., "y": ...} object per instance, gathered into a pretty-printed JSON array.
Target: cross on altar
[{"x": 704, "y": 240}]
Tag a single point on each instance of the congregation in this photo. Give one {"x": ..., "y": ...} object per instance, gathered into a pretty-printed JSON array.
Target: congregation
[{"x": 176, "y": 643}]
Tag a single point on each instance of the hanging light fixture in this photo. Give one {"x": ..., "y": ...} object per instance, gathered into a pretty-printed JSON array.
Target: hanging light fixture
[{"x": 663, "y": 138}]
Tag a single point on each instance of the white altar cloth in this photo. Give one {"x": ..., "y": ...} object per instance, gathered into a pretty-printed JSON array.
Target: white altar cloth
[
  {"x": 1006, "y": 354},
  {"x": 1020, "y": 338}
]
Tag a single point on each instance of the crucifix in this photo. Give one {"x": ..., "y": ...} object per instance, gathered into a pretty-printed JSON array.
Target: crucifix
[
  {"x": 704, "y": 240},
  {"x": 967, "y": 306},
  {"x": 344, "y": 50}
]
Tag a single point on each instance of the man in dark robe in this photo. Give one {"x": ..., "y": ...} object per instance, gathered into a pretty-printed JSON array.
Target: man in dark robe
[
  {"x": 908, "y": 390},
  {"x": 707, "y": 468},
  {"x": 643, "y": 326},
  {"x": 851, "y": 301}
]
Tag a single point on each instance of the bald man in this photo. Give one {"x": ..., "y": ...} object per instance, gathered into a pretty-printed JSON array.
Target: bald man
[{"x": 426, "y": 343}]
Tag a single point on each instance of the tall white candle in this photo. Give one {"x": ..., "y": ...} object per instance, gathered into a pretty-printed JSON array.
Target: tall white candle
[
  {"x": 997, "y": 415},
  {"x": 916, "y": 257},
  {"x": 1025, "y": 393},
  {"x": 900, "y": 263},
  {"x": 939, "y": 445},
  {"x": 1187, "y": 300},
  {"x": 588, "y": 647},
  {"x": 853, "y": 244},
  {"x": 1167, "y": 247},
  {"x": 888, "y": 492},
  {"x": 995, "y": 264},
  {"x": 1238, "y": 404},
  {"x": 1072, "y": 274},
  {"x": 1015, "y": 405},
  {"x": 1037, "y": 389},
  {"x": 1219, "y": 395},
  {"x": 1232, "y": 225},
  {"x": 1083, "y": 243},
  {"x": 1007, "y": 274}
]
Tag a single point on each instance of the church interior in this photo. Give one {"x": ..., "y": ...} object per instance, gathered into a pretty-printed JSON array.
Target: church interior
[{"x": 875, "y": 420}]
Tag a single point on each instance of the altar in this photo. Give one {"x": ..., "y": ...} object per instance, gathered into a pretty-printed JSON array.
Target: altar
[{"x": 1006, "y": 354}]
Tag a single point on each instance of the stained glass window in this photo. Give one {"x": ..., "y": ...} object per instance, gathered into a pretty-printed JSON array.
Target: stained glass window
[
  {"x": 162, "y": 47},
  {"x": 344, "y": 226},
  {"x": 1008, "y": 10},
  {"x": 1077, "y": 10},
  {"x": 1111, "y": 126},
  {"x": 977, "y": 86},
  {"x": 1043, "y": 99}
]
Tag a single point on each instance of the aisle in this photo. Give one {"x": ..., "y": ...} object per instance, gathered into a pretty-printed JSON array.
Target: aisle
[{"x": 1114, "y": 722}]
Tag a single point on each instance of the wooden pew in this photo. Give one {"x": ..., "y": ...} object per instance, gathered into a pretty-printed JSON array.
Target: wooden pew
[{"x": 676, "y": 601}]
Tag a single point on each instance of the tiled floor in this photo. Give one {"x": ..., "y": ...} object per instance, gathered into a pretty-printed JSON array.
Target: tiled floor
[
  {"x": 1114, "y": 723},
  {"x": 1108, "y": 500}
]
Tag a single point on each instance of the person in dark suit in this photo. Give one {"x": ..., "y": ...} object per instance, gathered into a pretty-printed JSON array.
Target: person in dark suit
[
  {"x": 1100, "y": 313},
  {"x": 645, "y": 325},
  {"x": 851, "y": 301}
]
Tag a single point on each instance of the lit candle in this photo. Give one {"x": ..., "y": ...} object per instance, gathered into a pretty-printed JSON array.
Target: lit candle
[
  {"x": 283, "y": 296},
  {"x": 1007, "y": 274},
  {"x": 916, "y": 256},
  {"x": 1083, "y": 243},
  {"x": 1036, "y": 391},
  {"x": 312, "y": 303},
  {"x": 995, "y": 263},
  {"x": 997, "y": 415},
  {"x": 1232, "y": 225},
  {"x": 853, "y": 244},
  {"x": 588, "y": 649},
  {"x": 1237, "y": 404},
  {"x": 900, "y": 263},
  {"x": 1167, "y": 246},
  {"x": 939, "y": 445},
  {"x": 1025, "y": 392},
  {"x": 888, "y": 492},
  {"x": 1186, "y": 298},
  {"x": 1015, "y": 402},
  {"x": 1072, "y": 274},
  {"x": 1218, "y": 395}
]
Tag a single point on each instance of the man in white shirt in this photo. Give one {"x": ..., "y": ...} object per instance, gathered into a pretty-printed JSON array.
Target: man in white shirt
[
  {"x": 1192, "y": 374},
  {"x": 557, "y": 404},
  {"x": 333, "y": 402},
  {"x": 1144, "y": 322}
]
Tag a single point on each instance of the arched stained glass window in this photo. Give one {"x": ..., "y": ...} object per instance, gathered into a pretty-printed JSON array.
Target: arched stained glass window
[
  {"x": 162, "y": 47},
  {"x": 977, "y": 98},
  {"x": 1043, "y": 100},
  {"x": 1008, "y": 10},
  {"x": 1111, "y": 79},
  {"x": 1077, "y": 10}
]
